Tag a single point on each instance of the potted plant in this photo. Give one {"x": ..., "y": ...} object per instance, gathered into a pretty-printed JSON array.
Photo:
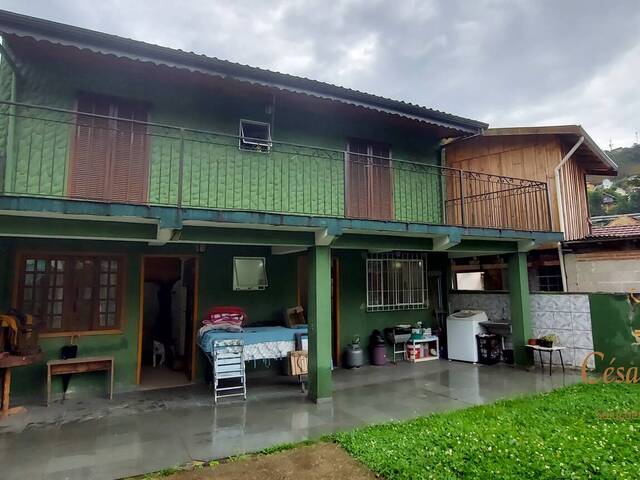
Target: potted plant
[{"x": 547, "y": 341}]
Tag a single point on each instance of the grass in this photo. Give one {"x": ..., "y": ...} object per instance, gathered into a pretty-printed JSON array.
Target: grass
[{"x": 568, "y": 433}]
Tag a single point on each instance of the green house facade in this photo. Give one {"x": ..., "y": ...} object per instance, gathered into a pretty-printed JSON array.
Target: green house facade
[{"x": 123, "y": 163}]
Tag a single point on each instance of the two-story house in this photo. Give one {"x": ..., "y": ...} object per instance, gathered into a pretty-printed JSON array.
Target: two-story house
[{"x": 140, "y": 186}]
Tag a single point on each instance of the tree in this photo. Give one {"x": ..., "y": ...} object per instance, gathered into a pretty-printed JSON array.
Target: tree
[{"x": 595, "y": 203}]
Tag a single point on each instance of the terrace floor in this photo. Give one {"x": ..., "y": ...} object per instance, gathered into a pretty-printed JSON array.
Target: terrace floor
[{"x": 146, "y": 431}]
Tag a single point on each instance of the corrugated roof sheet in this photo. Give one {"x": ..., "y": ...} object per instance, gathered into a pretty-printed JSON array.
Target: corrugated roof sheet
[{"x": 40, "y": 29}]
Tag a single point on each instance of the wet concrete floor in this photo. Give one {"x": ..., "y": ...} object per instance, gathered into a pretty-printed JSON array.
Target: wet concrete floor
[{"x": 146, "y": 431}]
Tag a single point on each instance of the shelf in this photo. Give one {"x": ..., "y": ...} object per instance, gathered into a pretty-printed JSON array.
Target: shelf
[{"x": 424, "y": 359}]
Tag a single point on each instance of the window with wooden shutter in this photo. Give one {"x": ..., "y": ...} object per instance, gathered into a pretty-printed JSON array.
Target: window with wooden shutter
[
  {"x": 71, "y": 293},
  {"x": 369, "y": 180},
  {"x": 109, "y": 156}
]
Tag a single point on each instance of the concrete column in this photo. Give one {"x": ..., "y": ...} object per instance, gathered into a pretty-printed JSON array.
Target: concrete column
[
  {"x": 319, "y": 316},
  {"x": 520, "y": 308}
]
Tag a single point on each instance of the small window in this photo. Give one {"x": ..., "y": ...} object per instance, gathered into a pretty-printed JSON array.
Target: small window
[
  {"x": 396, "y": 282},
  {"x": 255, "y": 136},
  {"x": 249, "y": 273}
]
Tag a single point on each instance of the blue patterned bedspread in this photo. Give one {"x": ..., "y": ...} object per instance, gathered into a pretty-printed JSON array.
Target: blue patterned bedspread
[{"x": 250, "y": 335}]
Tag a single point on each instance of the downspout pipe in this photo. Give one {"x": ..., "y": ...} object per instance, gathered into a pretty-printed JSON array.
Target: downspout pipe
[{"x": 560, "y": 202}]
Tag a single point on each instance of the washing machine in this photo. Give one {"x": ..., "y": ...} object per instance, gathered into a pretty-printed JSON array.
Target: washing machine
[{"x": 462, "y": 328}]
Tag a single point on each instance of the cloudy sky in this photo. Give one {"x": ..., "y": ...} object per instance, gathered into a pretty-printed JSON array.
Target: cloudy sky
[{"x": 507, "y": 62}]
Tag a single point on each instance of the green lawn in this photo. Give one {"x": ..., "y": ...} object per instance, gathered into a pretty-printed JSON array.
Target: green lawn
[{"x": 563, "y": 434}]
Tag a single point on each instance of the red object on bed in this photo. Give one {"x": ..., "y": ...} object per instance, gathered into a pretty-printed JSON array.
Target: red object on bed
[{"x": 217, "y": 316}]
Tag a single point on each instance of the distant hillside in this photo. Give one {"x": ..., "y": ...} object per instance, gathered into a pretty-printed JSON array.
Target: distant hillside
[
  {"x": 628, "y": 160},
  {"x": 624, "y": 194}
]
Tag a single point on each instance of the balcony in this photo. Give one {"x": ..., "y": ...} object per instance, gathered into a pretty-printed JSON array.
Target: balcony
[{"x": 59, "y": 153}]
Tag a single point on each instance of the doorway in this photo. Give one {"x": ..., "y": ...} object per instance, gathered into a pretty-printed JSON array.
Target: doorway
[{"x": 168, "y": 319}]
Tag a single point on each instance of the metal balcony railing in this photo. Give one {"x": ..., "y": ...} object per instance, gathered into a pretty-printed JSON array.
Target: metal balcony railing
[{"x": 54, "y": 152}]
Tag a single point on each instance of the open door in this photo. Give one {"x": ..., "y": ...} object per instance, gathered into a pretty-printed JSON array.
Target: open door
[
  {"x": 189, "y": 275},
  {"x": 166, "y": 355}
]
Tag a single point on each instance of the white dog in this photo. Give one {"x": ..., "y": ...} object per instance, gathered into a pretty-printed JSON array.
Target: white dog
[{"x": 158, "y": 350}]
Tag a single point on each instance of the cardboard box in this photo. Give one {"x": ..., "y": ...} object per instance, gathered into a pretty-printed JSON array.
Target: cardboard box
[{"x": 298, "y": 363}]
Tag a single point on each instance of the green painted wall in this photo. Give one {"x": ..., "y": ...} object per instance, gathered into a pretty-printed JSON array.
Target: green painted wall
[
  {"x": 613, "y": 320},
  {"x": 263, "y": 307},
  {"x": 355, "y": 320},
  {"x": 31, "y": 380},
  {"x": 215, "y": 173}
]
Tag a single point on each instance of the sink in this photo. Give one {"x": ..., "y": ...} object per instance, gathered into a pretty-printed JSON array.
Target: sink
[{"x": 498, "y": 328}]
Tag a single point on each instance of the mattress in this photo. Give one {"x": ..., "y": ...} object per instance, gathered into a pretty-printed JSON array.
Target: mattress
[{"x": 260, "y": 343}]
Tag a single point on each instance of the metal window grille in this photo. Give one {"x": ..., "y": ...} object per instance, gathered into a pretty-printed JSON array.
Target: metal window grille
[
  {"x": 396, "y": 281},
  {"x": 549, "y": 279}
]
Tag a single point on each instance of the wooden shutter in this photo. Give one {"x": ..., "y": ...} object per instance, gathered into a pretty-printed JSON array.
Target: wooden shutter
[
  {"x": 369, "y": 181},
  {"x": 109, "y": 157},
  {"x": 380, "y": 183},
  {"x": 90, "y": 150},
  {"x": 357, "y": 180},
  {"x": 129, "y": 162}
]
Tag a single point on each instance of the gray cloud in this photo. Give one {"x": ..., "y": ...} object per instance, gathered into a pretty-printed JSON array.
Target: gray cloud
[{"x": 507, "y": 62}]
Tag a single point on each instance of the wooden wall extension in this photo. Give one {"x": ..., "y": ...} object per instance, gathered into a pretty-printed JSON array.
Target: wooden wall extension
[{"x": 532, "y": 157}]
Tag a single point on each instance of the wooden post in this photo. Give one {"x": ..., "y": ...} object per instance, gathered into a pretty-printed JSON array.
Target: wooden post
[
  {"x": 6, "y": 391},
  {"x": 320, "y": 323},
  {"x": 520, "y": 307}
]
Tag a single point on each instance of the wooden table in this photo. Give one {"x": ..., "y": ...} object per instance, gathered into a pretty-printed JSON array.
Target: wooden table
[
  {"x": 80, "y": 365},
  {"x": 6, "y": 364},
  {"x": 551, "y": 350}
]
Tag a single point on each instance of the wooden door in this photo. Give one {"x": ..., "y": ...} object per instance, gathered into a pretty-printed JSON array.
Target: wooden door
[
  {"x": 369, "y": 181},
  {"x": 109, "y": 157},
  {"x": 189, "y": 282},
  {"x": 335, "y": 312}
]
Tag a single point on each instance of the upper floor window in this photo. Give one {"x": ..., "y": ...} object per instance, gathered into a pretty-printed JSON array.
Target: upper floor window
[
  {"x": 109, "y": 151},
  {"x": 255, "y": 136},
  {"x": 396, "y": 281},
  {"x": 71, "y": 293}
]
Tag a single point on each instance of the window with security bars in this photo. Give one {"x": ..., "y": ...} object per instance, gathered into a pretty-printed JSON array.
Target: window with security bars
[
  {"x": 71, "y": 293},
  {"x": 549, "y": 279},
  {"x": 396, "y": 282}
]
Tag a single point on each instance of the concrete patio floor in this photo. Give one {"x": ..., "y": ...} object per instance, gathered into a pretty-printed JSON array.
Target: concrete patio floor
[{"x": 145, "y": 431}]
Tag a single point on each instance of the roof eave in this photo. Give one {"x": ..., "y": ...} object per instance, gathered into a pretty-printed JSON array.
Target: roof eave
[{"x": 58, "y": 33}]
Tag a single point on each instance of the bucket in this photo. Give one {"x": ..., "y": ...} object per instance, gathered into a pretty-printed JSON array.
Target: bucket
[
  {"x": 414, "y": 352},
  {"x": 379, "y": 355}
]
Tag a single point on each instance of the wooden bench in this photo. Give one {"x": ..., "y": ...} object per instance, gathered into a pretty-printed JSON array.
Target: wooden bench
[{"x": 79, "y": 365}]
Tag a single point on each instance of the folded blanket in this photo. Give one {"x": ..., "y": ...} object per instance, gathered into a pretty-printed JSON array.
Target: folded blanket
[
  {"x": 226, "y": 316},
  {"x": 222, "y": 327}
]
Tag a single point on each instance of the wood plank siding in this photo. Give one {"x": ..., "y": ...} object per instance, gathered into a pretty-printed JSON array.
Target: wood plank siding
[{"x": 532, "y": 157}]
